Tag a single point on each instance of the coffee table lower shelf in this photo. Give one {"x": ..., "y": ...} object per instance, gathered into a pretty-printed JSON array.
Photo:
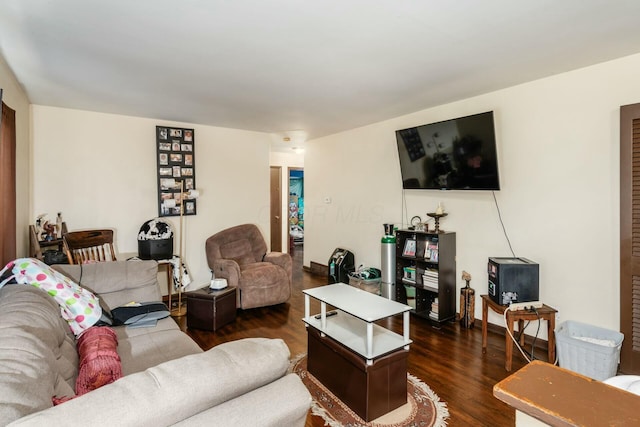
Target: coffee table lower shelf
[{"x": 370, "y": 390}]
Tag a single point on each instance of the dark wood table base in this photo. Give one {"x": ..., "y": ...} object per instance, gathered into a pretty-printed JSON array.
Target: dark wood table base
[{"x": 369, "y": 390}]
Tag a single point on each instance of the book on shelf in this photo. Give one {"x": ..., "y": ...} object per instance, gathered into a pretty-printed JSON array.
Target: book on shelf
[
  {"x": 435, "y": 307},
  {"x": 430, "y": 279},
  {"x": 431, "y": 251},
  {"x": 431, "y": 288},
  {"x": 409, "y": 247},
  {"x": 431, "y": 275},
  {"x": 408, "y": 281},
  {"x": 409, "y": 273}
]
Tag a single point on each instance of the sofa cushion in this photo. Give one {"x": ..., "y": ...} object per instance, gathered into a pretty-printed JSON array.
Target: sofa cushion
[
  {"x": 118, "y": 282},
  {"x": 142, "y": 348},
  {"x": 38, "y": 357}
]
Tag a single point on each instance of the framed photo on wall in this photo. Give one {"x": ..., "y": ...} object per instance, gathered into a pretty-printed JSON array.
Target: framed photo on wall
[{"x": 175, "y": 160}]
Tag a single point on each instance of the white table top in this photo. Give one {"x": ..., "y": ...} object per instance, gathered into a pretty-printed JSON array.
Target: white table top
[{"x": 357, "y": 302}]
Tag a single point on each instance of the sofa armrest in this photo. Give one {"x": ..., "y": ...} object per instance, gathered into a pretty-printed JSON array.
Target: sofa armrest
[
  {"x": 176, "y": 390},
  {"x": 227, "y": 269},
  {"x": 281, "y": 259},
  {"x": 284, "y": 402}
]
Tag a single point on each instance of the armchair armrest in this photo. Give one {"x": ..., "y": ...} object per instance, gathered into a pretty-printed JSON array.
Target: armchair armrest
[
  {"x": 227, "y": 269},
  {"x": 281, "y": 259}
]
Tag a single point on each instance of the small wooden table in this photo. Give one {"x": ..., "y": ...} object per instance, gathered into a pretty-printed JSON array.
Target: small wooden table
[{"x": 543, "y": 313}]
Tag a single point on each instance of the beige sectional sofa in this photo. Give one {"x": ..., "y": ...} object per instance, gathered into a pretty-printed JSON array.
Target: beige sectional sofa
[{"x": 168, "y": 379}]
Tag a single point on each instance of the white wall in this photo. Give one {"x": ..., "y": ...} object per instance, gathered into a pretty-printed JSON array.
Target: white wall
[
  {"x": 286, "y": 161},
  {"x": 14, "y": 96},
  {"x": 99, "y": 170},
  {"x": 558, "y": 149}
]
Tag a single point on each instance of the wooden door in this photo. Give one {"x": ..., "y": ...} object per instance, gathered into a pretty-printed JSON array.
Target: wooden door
[
  {"x": 630, "y": 238},
  {"x": 276, "y": 209}
]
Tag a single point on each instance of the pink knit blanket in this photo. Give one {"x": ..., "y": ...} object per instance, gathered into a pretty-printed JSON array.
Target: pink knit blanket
[{"x": 99, "y": 360}]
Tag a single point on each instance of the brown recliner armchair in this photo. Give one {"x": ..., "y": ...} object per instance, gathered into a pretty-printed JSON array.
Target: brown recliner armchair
[{"x": 239, "y": 254}]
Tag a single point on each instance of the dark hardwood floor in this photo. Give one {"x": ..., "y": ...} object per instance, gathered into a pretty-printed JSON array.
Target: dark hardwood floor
[{"x": 448, "y": 359}]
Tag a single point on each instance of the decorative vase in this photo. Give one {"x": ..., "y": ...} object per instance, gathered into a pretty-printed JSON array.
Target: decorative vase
[{"x": 467, "y": 306}]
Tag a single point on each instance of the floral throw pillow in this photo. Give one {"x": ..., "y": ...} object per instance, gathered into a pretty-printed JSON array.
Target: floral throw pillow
[{"x": 79, "y": 307}]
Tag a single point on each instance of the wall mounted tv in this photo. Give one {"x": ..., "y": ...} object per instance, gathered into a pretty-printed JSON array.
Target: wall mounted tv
[{"x": 457, "y": 154}]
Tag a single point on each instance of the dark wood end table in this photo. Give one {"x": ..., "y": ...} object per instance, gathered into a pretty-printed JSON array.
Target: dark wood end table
[{"x": 210, "y": 309}]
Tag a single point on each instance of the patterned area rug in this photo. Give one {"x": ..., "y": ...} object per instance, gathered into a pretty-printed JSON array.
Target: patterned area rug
[{"x": 423, "y": 407}]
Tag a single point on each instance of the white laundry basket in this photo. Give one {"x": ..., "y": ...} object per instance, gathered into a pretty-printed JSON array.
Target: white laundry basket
[{"x": 588, "y": 350}]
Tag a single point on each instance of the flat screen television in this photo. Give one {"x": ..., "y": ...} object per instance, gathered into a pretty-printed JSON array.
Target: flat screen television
[{"x": 456, "y": 154}]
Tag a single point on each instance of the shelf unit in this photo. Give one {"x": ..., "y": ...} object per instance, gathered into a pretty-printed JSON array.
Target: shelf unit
[
  {"x": 38, "y": 247},
  {"x": 426, "y": 270}
]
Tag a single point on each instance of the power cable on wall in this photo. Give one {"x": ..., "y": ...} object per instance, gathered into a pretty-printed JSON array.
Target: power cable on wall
[
  {"x": 404, "y": 207},
  {"x": 495, "y": 200},
  {"x": 502, "y": 224}
]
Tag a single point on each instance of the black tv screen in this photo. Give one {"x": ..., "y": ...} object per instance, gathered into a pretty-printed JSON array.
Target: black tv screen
[{"x": 457, "y": 154}]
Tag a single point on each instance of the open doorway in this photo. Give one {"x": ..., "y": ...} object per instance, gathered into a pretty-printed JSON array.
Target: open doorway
[{"x": 295, "y": 209}]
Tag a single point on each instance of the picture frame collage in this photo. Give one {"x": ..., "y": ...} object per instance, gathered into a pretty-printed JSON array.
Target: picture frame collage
[{"x": 175, "y": 160}]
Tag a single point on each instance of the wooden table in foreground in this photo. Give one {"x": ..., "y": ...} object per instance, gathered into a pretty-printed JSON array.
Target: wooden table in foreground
[
  {"x": 560, "y": 397},
  {"x": 543, "y": 313}
]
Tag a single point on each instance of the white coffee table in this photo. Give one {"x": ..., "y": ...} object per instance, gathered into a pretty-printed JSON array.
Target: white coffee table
[
  {"x": 361, "y": 362},
  {"x": 356, "y": 329}
]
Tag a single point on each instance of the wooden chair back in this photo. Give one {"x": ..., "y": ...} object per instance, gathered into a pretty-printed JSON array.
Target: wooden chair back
[{"x": 89, "y": 246}]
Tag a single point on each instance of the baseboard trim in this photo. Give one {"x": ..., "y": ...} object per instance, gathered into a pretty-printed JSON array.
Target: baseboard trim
[{"x": 317, "y": 269}]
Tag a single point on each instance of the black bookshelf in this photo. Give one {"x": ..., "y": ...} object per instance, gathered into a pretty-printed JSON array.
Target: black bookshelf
[{"x": 426, "y": 273}]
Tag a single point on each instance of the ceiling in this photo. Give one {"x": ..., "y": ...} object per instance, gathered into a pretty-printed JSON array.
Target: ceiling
[{"x": 297, "y": 68}]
